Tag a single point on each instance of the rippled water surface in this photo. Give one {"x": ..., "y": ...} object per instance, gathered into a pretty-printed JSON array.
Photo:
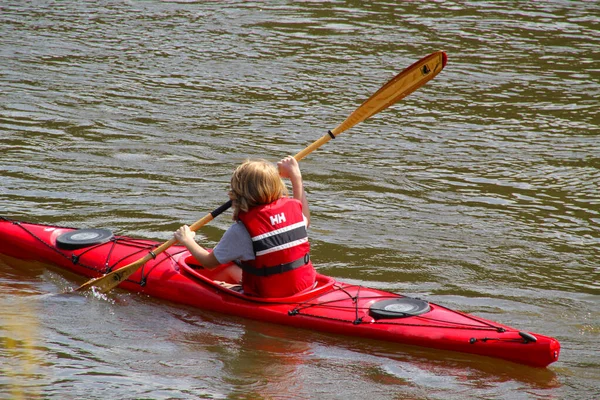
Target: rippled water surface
[{"x": 480, "y": 191}]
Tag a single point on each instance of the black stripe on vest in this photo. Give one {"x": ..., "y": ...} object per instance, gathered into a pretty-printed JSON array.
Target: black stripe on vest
[
  {"x": 280, "y": 239},
  {"x": 277, "y": 269}
]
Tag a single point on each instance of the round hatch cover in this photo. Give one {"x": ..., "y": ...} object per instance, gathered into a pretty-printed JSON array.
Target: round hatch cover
[
  {"x": 83, "y": 238},
  {"x": 400, "y": 307}
]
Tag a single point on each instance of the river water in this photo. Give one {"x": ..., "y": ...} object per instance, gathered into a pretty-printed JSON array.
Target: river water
[{"x": 480, "y": 191}]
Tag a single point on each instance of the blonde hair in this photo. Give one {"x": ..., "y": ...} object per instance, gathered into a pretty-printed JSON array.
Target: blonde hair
[{"x": 253, "y": 183}]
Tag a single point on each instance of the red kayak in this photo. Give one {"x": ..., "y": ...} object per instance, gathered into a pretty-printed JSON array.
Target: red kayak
[{"x": 331, "y": 306}]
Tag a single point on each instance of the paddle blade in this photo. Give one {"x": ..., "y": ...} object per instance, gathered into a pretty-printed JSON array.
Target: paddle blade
[
  {"x": 396, "y": 89},
  {"x": 111, "y": 280}
]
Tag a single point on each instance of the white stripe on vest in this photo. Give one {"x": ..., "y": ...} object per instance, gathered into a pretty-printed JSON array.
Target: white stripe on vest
[
  {"x": 278, "y": 231},
  {"x": 282, "y": 247}
]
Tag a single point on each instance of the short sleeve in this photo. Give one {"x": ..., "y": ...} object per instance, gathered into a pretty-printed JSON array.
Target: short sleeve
[{"x": 236, "y": 244}]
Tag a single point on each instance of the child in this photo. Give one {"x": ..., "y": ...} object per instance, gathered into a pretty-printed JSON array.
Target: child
[{"x": 268, "y": 239}]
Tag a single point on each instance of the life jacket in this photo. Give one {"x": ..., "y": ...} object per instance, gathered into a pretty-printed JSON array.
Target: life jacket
[{"x": 282, "y": 265}]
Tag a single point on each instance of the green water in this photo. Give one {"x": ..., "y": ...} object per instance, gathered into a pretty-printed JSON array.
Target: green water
[{"x": 479, "y": 191}]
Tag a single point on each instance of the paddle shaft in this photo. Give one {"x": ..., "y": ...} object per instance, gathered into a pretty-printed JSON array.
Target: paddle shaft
[
  {"x": 397, "y": 88},
  {"x": 194, "y": 227}
]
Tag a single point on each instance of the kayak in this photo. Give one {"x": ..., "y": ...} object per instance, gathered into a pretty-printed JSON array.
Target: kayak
[{"x": 330, "y": 306}]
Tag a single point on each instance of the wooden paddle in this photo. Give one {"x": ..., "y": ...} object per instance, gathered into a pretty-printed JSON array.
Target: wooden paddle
[{"x": 399, "y": 87}]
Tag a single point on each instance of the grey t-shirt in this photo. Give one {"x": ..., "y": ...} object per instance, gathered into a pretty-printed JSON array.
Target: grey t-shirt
[{"x": 236, "y": 244}]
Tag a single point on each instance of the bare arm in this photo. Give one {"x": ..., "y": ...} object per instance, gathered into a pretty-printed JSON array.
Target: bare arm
[
  {"x": 186, "y": 237},
  {"x": 288, "y": 168}
]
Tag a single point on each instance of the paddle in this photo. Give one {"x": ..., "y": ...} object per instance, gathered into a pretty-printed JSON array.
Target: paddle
[{"x": 397, "y": 88}]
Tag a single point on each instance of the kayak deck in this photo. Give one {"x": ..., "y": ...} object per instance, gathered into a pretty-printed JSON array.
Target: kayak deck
[{"x": 331, "y": 306}]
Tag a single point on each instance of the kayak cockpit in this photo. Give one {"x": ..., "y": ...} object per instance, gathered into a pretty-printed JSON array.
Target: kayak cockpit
[{"x": 190, "y": 267}]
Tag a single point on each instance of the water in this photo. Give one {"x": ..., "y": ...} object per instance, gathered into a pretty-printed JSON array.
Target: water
[{"x": 479, "y": 191}]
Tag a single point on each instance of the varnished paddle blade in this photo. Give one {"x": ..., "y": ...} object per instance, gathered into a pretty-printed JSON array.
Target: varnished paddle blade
[
  {"x": 396, "y": 89},
  {"x": 111, "y": 280},
  {"x": 393, "y": 91}
]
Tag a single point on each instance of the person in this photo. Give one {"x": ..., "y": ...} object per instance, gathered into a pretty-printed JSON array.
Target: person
[{"x": 268, "y": 239}]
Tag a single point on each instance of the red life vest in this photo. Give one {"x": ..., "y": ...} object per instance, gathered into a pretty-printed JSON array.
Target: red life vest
[{"x": 282, "y": 265}]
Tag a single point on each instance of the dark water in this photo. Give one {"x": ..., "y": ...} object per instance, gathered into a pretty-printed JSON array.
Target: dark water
[{"x": 480, "y": 191}]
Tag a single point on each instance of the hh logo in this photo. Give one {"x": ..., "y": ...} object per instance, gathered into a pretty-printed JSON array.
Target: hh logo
[{"x": 277, "y": 219}]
